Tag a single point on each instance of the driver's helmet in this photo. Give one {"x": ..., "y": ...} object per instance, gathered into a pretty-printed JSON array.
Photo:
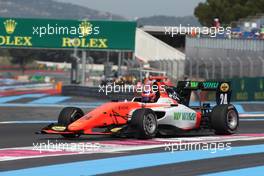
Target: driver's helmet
[{"x": 148, "y": 96}]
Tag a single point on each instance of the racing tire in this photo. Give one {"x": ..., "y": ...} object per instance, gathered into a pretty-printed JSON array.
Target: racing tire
[
  {"x": 67, "y": 116},
  {"x": 224, "y": 119},
  {"x": 144, "y": 122}
]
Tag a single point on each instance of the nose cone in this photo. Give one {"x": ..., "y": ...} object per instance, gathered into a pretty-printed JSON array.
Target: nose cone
[
  {"x": 98, "y": 117},
  {"x": 90, "y": 120},
  {"x": 75, "y": 127}
]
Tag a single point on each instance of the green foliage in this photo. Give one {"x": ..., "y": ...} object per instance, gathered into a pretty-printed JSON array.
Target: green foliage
[{"x": 227, "y": 10}]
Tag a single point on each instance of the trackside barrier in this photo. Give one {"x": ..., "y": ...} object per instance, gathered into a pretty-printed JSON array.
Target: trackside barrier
[
  {"x": 26, "y": 86},
  {"x": 243, "y": 89},
  {"x": 45, "y": 88}
]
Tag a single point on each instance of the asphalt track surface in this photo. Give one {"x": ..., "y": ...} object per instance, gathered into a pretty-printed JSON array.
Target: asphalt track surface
[{"x": 15, "y": 135}]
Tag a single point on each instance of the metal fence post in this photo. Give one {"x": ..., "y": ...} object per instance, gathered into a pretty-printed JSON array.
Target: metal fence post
[
  {"x": 197, "y": 68},
  {"x": 262, "y": 61},
  {"x": 205, "y": 68},
  {"x": 190, "y": 67},
  {"x": 230, "y": 67},
  {"x": 83, "y": 66},
  {"x": 251, "y": 66},
  {"x": 240, "y": 67},
  {"x": 213, "y": 67},
  {"x": 119, "y": 63},
  {"x": 221, "y": 67}
]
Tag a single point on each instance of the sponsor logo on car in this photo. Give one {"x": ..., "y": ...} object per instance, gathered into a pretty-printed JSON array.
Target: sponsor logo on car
[
  {"x": 224, "y": 87},
  {"x": 210, "y": 85},
  {"x": 58, "y": 128},
  {"x": 184, "y": 116},
  {"x": 194, "y": 84}
]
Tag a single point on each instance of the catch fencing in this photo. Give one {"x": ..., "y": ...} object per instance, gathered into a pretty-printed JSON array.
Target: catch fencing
[{"x": 224, "y": 58}]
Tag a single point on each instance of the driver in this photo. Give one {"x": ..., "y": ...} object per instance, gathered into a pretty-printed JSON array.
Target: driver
[{"x": 148, "y": 96}]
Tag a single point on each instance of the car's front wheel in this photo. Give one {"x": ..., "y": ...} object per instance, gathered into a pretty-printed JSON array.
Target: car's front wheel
[
  {"x": 67, "y": 116},
  {"x": 145, "y": 123}
]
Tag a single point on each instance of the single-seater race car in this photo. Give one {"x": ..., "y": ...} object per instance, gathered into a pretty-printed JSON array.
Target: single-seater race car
[{"x": 165, "y": 111}]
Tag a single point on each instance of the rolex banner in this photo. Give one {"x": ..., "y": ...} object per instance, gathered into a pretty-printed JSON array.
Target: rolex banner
[{"x": 63, "y": 34}]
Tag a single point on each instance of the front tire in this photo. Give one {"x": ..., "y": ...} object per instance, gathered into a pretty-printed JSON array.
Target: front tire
[
  {"x": 67, "y": 116},
  {"x": 225, "y": 119},
  {"x": 145, "y": 123}
]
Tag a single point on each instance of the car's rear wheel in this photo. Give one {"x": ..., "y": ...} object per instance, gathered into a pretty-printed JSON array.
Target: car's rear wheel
[
  {"x": 225, "y": 119},
  {"x": 67, "y": 116},
  {"x": 145, "y": 123}
]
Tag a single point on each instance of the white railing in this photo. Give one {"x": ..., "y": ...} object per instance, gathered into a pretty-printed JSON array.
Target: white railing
[{"x": 150, "y": 48}]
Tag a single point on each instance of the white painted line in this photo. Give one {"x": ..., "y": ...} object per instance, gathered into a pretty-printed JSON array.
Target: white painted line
[
  {"x": 251, "y": 120},
  {"x": 251, "y": 115}
]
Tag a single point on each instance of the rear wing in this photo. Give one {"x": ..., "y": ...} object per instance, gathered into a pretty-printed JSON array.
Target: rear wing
[{"x": 222, "y": 88}]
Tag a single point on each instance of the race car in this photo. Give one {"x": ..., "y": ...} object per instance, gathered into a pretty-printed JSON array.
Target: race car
[{"x": 163, "y": 111}]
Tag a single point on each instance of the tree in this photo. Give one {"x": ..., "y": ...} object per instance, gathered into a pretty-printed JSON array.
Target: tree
[
  {"x": 227, "y": 10},
  {"x": 22, "y": 57}
]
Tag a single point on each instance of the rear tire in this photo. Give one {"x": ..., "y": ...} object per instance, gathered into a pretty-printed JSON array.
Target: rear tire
[
  {"x": 224, "y": 119},
  {"x": 67, "y": 116},
  {"x": 144, "y": 121}
]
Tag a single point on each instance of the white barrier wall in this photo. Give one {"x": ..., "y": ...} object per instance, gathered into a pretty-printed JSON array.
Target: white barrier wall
[{"x": 159, "y": 55}]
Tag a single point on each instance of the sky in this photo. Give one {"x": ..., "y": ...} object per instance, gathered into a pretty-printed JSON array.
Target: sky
[{"x": 141, "y": 8}]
